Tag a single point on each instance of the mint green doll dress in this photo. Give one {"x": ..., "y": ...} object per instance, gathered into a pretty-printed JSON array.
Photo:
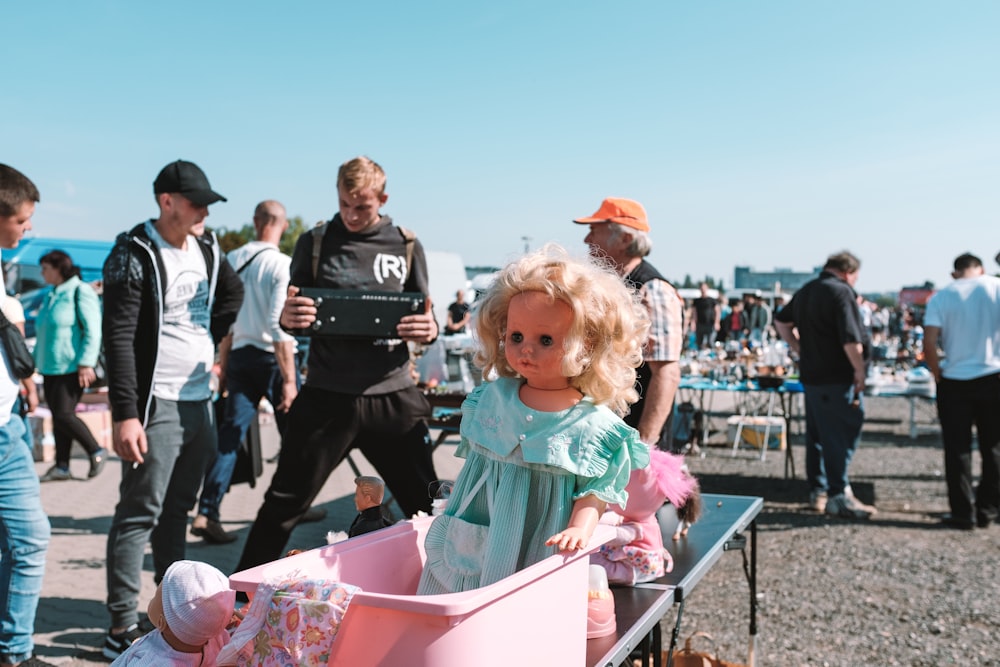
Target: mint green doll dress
[{"x": 523, "y": 471}]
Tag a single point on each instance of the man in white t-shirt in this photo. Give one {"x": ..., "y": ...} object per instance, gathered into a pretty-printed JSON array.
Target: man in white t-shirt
[
  {"x": 257, "y": 359},
  {"x": 963, "y": 319},
  {"x": 169, "y": 297},
  {"x": 24, "y": 539}
]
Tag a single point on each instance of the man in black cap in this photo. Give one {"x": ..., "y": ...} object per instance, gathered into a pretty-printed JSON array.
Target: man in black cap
[{"x": 169, "y": 296}]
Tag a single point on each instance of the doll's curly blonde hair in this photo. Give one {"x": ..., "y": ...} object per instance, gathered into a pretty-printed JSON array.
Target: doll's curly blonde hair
[{"x": 605, "y": 341}]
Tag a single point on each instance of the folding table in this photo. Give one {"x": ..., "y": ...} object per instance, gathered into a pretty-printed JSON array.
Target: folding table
[{"x": 640, "y": 608}]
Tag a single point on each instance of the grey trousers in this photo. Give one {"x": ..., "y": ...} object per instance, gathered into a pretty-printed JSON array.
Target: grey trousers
[{"x": 155, "y": 499}]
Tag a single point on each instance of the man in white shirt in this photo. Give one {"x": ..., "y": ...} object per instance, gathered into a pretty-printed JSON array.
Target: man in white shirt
[
  {"x": 964, "y": 320},
  {"x": 24, "y": 539},
  {"x": 257, "y": 359},
  {"x": 169, "y": 296}
]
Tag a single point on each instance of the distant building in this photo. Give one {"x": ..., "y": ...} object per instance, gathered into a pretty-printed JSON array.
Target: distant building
[{"x": 745, "y": 278}]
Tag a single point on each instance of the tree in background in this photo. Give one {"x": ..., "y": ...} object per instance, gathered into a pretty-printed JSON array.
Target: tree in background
[
  {"x": 708, "y": 280},
  {"x": 230, "y": 240}
]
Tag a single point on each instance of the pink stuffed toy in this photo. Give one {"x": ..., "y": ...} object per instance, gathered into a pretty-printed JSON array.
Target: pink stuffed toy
[{"x": 637, "y": 553}]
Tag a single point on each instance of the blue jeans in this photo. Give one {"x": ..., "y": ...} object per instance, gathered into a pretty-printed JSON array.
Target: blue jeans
[
  {"x": 155, "y": 498},
  {"x": 833, "y": 432},
  {"x": 251, "y": 374},
  {"x": 24, "y": 539}
]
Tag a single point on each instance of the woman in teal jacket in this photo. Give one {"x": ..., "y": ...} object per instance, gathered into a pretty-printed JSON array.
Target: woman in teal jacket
[{"x": 68, "y": 341}]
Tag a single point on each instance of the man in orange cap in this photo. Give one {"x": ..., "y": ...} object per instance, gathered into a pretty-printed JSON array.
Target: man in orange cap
[{"x": 619, "y": 231}]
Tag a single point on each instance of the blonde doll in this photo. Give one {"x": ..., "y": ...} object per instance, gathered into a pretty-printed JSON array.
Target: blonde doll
[{"x": 545, "y": 445}]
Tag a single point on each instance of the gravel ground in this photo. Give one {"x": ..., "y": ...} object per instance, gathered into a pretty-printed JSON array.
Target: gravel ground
[{"x": 895, "y": 590}]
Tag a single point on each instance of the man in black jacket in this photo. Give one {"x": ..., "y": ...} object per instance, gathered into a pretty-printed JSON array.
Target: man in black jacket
[{"x": 169, "y": 296}]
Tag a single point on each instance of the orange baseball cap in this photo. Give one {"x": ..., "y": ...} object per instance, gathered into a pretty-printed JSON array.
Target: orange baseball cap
[{"x": 623, "y": 211}]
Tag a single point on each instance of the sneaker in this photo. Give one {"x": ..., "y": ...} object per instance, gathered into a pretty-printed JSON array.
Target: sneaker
[
  {"x": 817, "y": 501},
  {"x": 97, "y": 461},
  {"x": 848, "y": 507},
  {"x": 958, "y": 523},
  {"x": 313, "y": 514},
  {"x": 117, "y": 643},
  {"x": 211, "y": 531},
  {"x": 56, "y": 474}
]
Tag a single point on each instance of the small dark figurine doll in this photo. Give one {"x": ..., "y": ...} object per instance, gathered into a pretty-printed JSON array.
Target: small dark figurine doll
[{"x": 368, "y": 500}]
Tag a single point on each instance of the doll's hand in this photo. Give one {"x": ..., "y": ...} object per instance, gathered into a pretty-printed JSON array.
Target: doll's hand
[
  {"x": 571, "y": 539},
  {"x": 626, "y": 534},
  {"x": 610, "y": 518}
]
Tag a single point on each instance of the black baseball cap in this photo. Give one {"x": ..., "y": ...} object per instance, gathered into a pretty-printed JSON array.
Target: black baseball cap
[{"x": 186, "y": 178}]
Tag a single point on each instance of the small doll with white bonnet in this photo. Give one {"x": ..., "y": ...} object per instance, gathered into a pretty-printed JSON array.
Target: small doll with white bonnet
[{"x": 191, "y": 609}]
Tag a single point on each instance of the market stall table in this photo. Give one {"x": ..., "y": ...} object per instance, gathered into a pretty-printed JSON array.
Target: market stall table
[
  {"x": 916, "y": 393},
  {"x": 780, "y": 402},
  {"x": 640, "y": 608}
]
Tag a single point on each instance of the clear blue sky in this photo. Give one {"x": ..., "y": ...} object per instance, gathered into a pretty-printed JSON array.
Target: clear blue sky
[{"x": 760, "y": 133}]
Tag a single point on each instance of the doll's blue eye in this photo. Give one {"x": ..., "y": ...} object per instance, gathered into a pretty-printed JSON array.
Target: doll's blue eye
[
  {"x": 517, "y": 337},
  {"x": 547, "y": 341}
]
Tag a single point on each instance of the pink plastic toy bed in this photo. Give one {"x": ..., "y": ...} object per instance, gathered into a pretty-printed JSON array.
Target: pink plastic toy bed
[{"x": 537, "y": 615}]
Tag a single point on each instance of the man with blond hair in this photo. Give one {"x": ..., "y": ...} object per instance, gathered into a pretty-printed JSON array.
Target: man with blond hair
[{"x": 358, "y": 392}]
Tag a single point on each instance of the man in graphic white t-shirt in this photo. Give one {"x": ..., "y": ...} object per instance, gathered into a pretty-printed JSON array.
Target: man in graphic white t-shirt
[{"x": 169, "y": 297}]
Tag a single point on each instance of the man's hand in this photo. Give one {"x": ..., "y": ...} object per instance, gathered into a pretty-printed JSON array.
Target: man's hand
[
  {"x": 859, "y": 381},
  {"x": 418, "y": 328},
  {"x": 129, "y": 440},
  {"x": 299, "y": 312},
  {"x": 289, "y": 390},
  {"x": 31, "y": 394}
]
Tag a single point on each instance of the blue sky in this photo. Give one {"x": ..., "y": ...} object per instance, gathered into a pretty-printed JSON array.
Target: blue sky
[{"x": 766, "y": 133}]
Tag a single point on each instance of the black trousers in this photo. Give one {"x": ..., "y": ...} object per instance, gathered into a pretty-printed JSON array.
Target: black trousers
[
  {"x": 962, "y": 404},
  {"x": 62, "y": 393},
  {"x": 323, "y": 426}
]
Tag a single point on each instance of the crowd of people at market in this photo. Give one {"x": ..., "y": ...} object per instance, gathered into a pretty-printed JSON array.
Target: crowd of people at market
[{"x": 583, "y": 359}]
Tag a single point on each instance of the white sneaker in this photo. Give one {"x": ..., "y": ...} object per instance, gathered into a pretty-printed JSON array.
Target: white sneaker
[{"x": 848, "y": 507}]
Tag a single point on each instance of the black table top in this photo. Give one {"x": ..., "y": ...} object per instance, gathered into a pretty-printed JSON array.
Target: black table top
[{"x": 638, "y": 608}]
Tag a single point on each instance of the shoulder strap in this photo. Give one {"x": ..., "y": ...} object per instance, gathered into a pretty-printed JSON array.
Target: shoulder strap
[
  {"x": 408, "y": 237},
  {"x": 252, "y": 258},
  {"x": 320, "y": 228},
  {"x": 317, "y": 231}
]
